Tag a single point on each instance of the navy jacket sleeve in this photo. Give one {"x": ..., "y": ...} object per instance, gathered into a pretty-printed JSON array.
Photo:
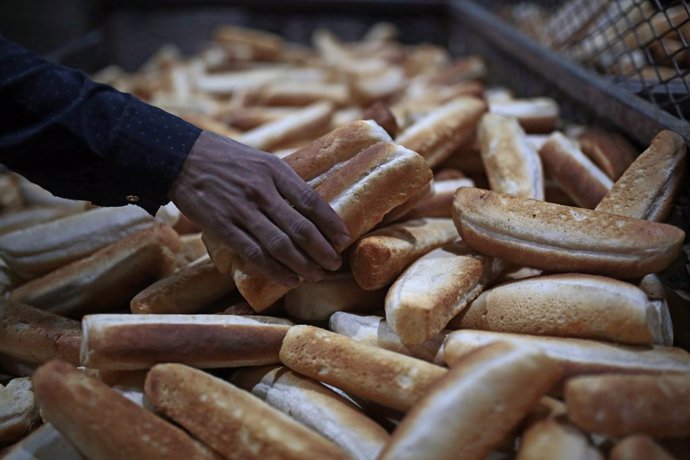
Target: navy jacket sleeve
[{"x": 84, "y": 140}]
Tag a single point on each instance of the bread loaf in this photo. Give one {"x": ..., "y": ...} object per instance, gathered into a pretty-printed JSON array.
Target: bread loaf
[
  {"x": 469, "y": 411},
  {"x": 233, "y": 422},
  {"x": 314, "y": 405},
  {"x": 113, "y": 341},
  {"x": 570, "y": 305},
  {"x": 440, "y": 202},
  {"x": 608, "y": 150},
  {"x": 578, "y": 356},
  {"x": 378, "y": 375},
  {"x": 379, "y": 257},
  {"x": 561, "y": 238},
  {"x": 103, "y": 424},
  {"x": 537, "y": 115},
  {"x": 555, "y": 437}
]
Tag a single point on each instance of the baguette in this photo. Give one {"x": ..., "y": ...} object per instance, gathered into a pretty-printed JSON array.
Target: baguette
[
  {"x": 311, "y": 120},
  {"x": 124, "y": 342},
  {"x": 108, "y": 278},
  {"x": 35, "y": 336},
  {"x": 576, "y": 174},
  {"x": 234, "y": 422},
  {"x": 191, "y": 248},
  {"x": 248, "y": 118},
  {"x": 378, "y": 375},
  {"x": 373, "y": 330},
  {"x": 537, "y": 115},
  {"x": 435, "y": 288},
  {"x": 570, "y": 305},
  {"x": 440, "y": 203},
  {"x": 317, "y": 301},
  {"x": 638, "y": 447},
  {"x": 579, "y": 356},
  {"x": 555, "y": 437},
  {"x": 295, "y": 93},
  {"x": 511, "y": 164},
  {"x": 18, "y": 410},
  {"x": 189, "y": 290},
  {"x": 105, "y": 425},
  {"x": 44, "y": 443},
  {"x": 37, "y": 250},
  {"x": 30, "y": 217},
  {"x": 317, "y": 407},
  {"x": 648, "y": 188},
  {"x": 439, "y": 133},
  {"x": 560, "y": 238},
  {"x": 469, "y": 411},
  {"x": 379, "y": 178},
  {"x": 379, "y": 257},
  {"x": 260, "y": 44},
  {"x": 609, "y": 150},
  {"x": 381, "y": 115},
  {"x": 622, "y": 405}
]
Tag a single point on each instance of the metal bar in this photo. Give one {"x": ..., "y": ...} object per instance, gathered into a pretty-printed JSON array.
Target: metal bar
[{"x": 638, "y": 118}]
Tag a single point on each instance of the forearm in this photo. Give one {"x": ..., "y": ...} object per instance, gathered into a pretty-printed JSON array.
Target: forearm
[{"x": 85, "y": 140}]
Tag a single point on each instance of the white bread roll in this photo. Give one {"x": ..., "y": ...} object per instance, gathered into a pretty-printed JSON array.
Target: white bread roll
[
  {"x": 469, "y": 411},
  {"x": 435, "y": 288},
  {"x": 512, "y": 165},
  {"x": 373, "y": 330},
  {"x": 232, "y": 421},
  {"x": 378, "y": 375},
  {"x": 34, "y": 251},
  {"x": 570, "y": 305},
  {"x": 648, "y": 188},
  {"x": 314, "y": 405},
  {"x": 561, "y": 238},
  {"x": 105, "y": 425},
  {"x": 108, "y": 278},
  {"x": 536, "y": 115},
  {"x": 122, "y": 342},
  {"x": 622, "y": 405},
  {"x": 578, "y": 356},
  {"x": 380, "y": 256}
]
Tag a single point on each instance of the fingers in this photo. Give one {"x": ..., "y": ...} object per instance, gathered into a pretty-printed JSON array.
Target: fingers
[
  {"x": 313, "y": 207},
  {"x": 281, "y": 247},
  {"x": 303, "y": 233},
  {"x": 253, "y": 253}
]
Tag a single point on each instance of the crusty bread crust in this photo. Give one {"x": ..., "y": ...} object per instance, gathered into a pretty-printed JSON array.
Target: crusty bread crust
[
  {"x": 378, "y": 375},
  {"x": 561, "y": 238},
  {"x": 468, "y": 412},
  {"x": 115, "y": 341},
  {"x": 104, "y": 424},
  {"x": 570, "y": 305},
  {"x": 609, "y": 150},
  {"x": 648, "y": 188},
  {"x": 232, "y": 421}
]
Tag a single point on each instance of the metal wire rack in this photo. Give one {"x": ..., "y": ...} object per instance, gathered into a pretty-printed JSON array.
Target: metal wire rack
[{"x": 642, "y": 46}]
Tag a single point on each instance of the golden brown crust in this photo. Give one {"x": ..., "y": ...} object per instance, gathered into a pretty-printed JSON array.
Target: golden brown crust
[
  {"x": 648, "y": 188},
  {"x": 578, "y": 356},
  {"x": 608, "y": 149},
  {"x": 555, "y": 437},
  {"x": 36, "y": 336},
  {"x": 622, "y": 405},
  {"x": 141, "y": 341},
  {"x": 581, "y": 179},
  {"x": 381, "y": 114},
  {"x": 561, "y": 238},
  {"x": 234, "y": 422},
  {"x": 442, "y": 131},
  {"x": 107, "y": 279},
  {"x": 382, "y": 376},
  {"x": 188, "y": 290},
  {"x": 319, "y": 408},
  {"x": 569, "y": 305},
  {"x": 105, "y": 425},
  {"x": 379, "y": 257},
  {"x": 440, "y": 202},
  {"x": 468, "y": 412}
]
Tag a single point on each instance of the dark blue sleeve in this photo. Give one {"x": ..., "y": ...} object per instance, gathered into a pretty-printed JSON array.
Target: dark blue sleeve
[{"x": 84, "y": 140}]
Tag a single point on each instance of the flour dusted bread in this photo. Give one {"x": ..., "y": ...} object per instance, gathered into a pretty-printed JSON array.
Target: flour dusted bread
[
  {"x": 232, "y": 421},
  {"x": 560, "y": 238}
]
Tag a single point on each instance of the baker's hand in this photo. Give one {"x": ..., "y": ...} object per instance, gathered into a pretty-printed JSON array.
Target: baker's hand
[{"x": 257, "y": 205}]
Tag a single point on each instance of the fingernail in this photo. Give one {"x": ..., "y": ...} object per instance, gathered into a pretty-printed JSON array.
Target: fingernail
[
  {"x": 334, "y": 264},
  {"x": 342, "y": 241},
  {"x": 317, "y": 275}
]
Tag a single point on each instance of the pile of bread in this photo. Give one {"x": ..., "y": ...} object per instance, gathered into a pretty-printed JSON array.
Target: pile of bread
[{"x": 499, "y": 297}]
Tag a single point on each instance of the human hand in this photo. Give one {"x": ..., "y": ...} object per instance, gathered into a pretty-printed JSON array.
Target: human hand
[{"x": 257, "y": 205}]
